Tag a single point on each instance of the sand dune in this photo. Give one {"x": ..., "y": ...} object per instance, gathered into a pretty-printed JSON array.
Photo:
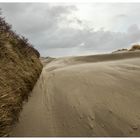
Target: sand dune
[{"x": 85, "y": 96}]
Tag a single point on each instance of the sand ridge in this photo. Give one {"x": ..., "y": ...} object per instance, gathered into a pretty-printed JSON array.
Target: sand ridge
[{"x": 85, "y": 96}]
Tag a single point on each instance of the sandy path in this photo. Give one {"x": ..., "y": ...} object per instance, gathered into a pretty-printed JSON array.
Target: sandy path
[{"x": 84, "y": 99}]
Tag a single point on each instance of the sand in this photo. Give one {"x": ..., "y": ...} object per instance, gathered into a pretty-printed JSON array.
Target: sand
[{"x": 85, "y": 96}]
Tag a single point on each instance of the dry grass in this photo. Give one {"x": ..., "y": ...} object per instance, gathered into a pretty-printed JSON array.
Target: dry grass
[
  {"x": 20, "y": 68},
  {"x": 135, "y": 47},
  {"x": 120, "y": 50}
]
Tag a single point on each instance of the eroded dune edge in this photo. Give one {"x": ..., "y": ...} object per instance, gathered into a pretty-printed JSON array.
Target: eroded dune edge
[
  {"x": 20, "y": 68},
  {"x": 85, "y": 96}
]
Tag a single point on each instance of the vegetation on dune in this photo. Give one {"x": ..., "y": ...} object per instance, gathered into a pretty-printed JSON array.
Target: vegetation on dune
[
  {"x": 121, "y": 50},
  {"x": 135, "y": 47},
  {"x": 20, "y": 68}
]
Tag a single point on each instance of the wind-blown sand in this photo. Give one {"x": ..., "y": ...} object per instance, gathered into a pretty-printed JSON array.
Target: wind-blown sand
[{"x": 85, "y": 96}]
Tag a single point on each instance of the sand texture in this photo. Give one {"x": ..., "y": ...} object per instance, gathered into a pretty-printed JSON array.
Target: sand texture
[{"x": 85, "y": 96}]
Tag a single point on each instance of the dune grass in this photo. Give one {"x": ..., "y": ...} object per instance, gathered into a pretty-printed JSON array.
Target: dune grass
[
  {"x": 135, "y": 47},
  {"x": 20, "y": 68}
]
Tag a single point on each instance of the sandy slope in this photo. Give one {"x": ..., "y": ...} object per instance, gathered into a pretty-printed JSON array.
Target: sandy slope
[{"x": 85, "y": 96}]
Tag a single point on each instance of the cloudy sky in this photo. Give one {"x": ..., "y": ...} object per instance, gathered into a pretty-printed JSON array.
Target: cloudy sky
[{"x": 75, "y": 29}]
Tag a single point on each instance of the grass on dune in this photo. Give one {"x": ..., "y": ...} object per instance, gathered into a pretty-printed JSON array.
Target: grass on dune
[{"x": 20, "y": 68}]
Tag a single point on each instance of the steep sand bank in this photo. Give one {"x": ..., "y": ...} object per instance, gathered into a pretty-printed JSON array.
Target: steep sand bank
[{"x": 85, "y": 96}]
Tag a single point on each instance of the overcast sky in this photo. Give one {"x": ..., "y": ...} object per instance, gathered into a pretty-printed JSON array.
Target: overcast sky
[{"x": 75, "y": 29}]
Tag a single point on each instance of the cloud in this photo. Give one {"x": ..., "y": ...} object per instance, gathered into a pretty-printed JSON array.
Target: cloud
[
  {"x": 56, "y": 30},
  {"x": 121, "y": 16},
  {"x": 31, "y": 18}
]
